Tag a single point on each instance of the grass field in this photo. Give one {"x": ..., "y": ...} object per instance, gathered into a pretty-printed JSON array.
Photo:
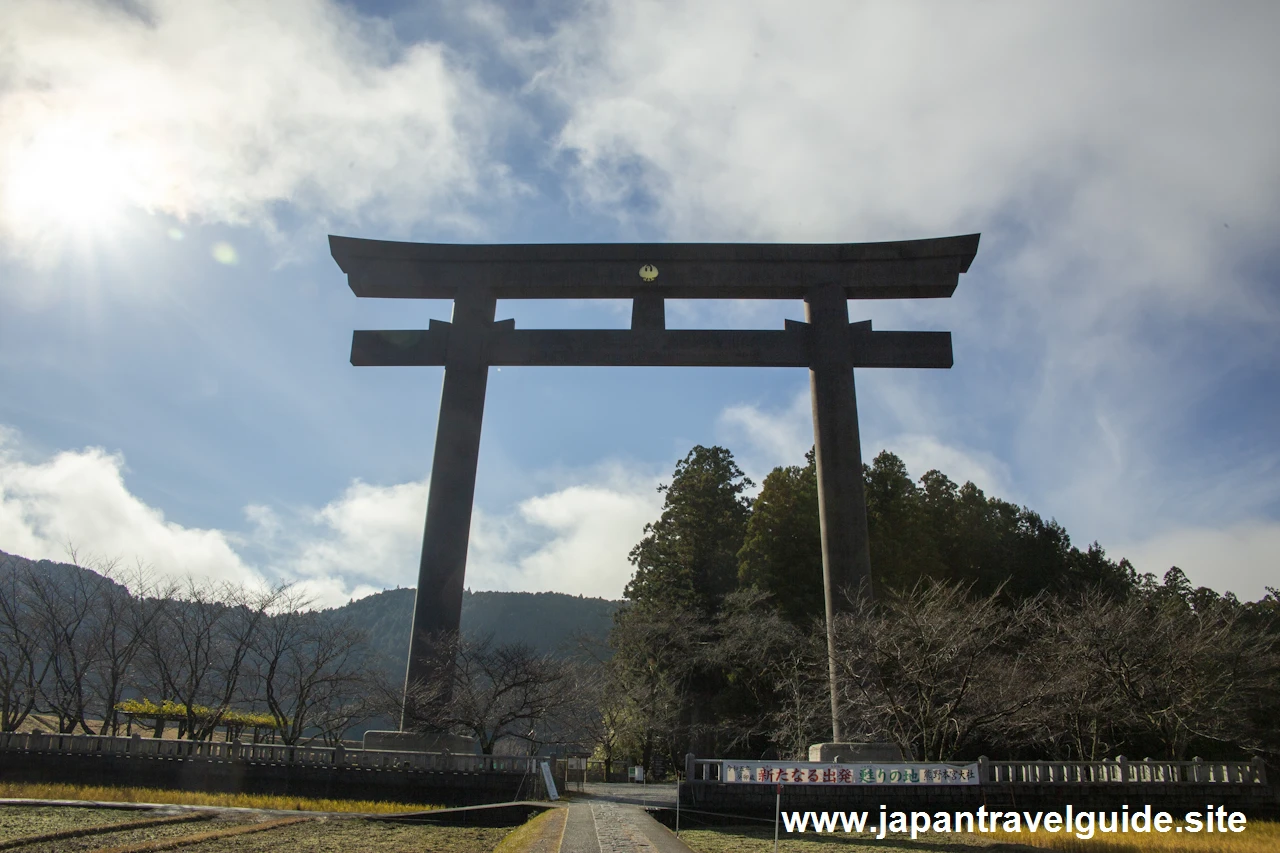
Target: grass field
[
  {"x": 18, "y": 822},
  {"x": 538, "y": 835},
  {"x": 759, "y": 839},
  {"x": 1259, "y": 837},
  {"x": 318, "y": 835},
  {"x": 344, "y": 836},
  {"x": 111, "y": 794},
  {"x": 36, "y": 820}
]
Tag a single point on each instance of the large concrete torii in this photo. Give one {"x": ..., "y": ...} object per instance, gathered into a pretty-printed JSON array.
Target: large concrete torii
[{"x": 825, "y": 276}]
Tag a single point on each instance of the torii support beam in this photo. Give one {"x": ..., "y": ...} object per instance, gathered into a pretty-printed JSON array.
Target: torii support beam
[{"x": 825, "y": 276}]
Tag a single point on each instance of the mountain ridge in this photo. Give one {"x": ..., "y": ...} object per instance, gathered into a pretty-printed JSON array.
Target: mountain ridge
[{"x": 549, "y": 622}]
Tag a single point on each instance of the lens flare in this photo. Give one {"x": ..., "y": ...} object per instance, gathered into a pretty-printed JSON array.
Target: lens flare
[{"x": 225, "y": 253}]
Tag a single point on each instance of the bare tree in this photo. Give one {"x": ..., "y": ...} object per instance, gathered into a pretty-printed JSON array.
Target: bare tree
[
  {"x": 496, "y": 692},
  {"x": 24, "y": 659},
  {"x": 1082, "y": 716},
  {"x": 770, "y": 665},
  {"x": 1176, "y": 672},
  {"x": 63, "y": 604},
  {"x": 126, "y": 605},
  {"x": 195, "y": 652},
  {"x": 602, "y": 718},
  {"x": 658, "y": 652},
  {"x": 340, "y": 710},
  {"x": 932, "y": 668},
  {"x": 591, "y": 712},
  {"x": 306, "y": 667}
]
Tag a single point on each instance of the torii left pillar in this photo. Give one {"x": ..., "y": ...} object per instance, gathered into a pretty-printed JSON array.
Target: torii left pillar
[{"x": 443, "y": 566}]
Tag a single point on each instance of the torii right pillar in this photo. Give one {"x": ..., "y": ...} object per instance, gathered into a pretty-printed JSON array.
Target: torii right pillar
[{"x": 842, "y": 501}]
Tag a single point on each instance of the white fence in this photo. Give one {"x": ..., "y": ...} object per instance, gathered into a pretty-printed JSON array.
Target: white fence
[
  {"x": 1125, "y": 771},
  {"x": 263, "y": 753},
  {"x": 1118, "y": 771}
]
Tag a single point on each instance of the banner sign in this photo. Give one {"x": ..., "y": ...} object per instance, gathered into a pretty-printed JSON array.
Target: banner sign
[
  {"x": 802, "y": 773},
  {"x": 550, "y": 783}
]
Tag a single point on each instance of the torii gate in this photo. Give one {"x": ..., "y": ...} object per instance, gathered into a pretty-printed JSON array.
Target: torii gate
[{"x": 825, "y": 276}]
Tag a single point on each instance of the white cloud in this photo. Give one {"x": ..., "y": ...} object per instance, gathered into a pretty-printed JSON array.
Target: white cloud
[
  {"x": 1243, "y": 558},
  {"x": 1101, "y": 148},
  {"x": 369, "y": 538},
  {"x": 766, "y": 438},
  {"x": 221, "y": 111},
  {"x": 1119, "y": 160},
  {"x": 921, "y": 453},
  {"x": 1130, "y": 126},
  {"x": 79, "y": 498},
  {"x": 763, "y": 439},
  {"x": 573, "y": 539},
  {"x": 586, "y": 532}
]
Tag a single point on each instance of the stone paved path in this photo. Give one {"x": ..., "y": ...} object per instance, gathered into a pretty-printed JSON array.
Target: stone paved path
[
  {"x": 604, "y": 821},
  {"x": 618, "y": 830}
]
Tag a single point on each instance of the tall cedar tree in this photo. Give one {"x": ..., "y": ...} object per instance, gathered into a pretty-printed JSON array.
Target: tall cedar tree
[
  {"x": 686, "y": 564},
  {"x": 782, "y": 554},
  {"x": 688, "y": 558}
]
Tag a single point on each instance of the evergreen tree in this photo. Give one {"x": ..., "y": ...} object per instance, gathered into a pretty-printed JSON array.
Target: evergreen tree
[
  {"x": 782, "y": 553},
  {"x": 902, "y": 542},
  {"x": 689, "y": 557},
  {"x": 686, "y": 564}
]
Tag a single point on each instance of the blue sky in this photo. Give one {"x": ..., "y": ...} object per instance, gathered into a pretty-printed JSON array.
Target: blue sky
[{"x": 174, "y": 335}]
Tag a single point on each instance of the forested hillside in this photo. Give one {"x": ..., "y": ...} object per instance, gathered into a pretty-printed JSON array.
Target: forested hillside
[
  {"x": 92, "y": 649},
  {"x": 983, "y": 630},
  {"x": 549, "y": 622}
]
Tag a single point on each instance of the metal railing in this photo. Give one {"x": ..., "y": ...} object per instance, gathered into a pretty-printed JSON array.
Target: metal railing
[
  {"x": 1118, "y": 771},
  {"x": 264, "y": 753}
]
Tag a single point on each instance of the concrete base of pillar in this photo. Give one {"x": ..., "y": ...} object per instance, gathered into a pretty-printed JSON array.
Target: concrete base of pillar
[{"x": 856, "y": 753}]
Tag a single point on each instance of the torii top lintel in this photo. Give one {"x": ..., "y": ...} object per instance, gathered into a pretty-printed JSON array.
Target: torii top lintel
[{"x": 904, "y": 269}]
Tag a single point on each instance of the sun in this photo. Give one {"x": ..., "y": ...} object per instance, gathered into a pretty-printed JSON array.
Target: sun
[{"x": 69, "y": 177}]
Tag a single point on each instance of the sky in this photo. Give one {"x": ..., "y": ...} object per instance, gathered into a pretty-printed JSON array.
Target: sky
[{"x": 174, "y": 337}]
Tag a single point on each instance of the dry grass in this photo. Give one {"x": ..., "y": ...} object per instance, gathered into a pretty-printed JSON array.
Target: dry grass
[
  {"x": 1258, "y": 837},
  {"x": 17, "y": 821},
  {"x": 540, "y": 835},
  {"x": 759, "y": 839},
  {"x": 144, "y": 823},
  {"x": 340, "y": 835},
  {"x": 112, "y": 794},
  {"x": 321, "y": 834},
  {"x": 115, "y": 834},
  {"x": 191, "y": 839}
]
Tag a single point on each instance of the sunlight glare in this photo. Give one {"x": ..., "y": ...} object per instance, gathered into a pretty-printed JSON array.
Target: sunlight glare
[{"x": 68, "y": 177}]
